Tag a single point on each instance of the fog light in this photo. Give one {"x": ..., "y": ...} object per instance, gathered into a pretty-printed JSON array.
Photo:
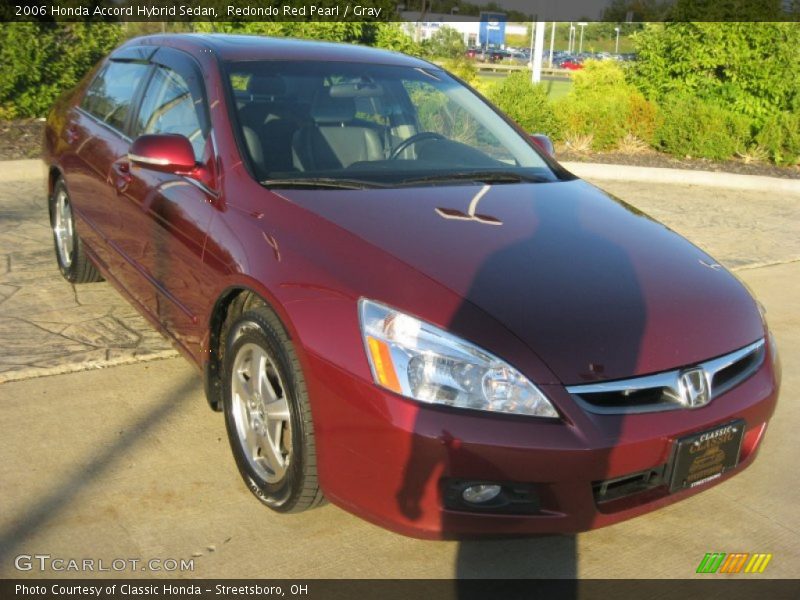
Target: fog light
[{"x": 478, "y": 494}]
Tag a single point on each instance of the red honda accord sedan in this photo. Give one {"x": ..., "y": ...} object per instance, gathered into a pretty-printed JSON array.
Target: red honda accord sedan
[{"x": 397, "y": 297}]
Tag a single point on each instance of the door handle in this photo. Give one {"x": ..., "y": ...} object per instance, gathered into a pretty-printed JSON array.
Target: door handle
[
  {"x": 71, "y": 134},
  {"x": 122, "y": 172}
]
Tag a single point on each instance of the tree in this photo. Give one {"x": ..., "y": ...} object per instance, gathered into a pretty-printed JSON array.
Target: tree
[{"x": 41, "y": 60}]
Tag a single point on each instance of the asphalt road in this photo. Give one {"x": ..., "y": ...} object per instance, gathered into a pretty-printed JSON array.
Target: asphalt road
[{"x": 128, "y": 462}]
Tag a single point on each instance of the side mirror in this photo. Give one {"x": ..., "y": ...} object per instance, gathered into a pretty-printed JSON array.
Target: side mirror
[
  {"x": 544, "y": 142},
  {"x": 168, "y": 152}
]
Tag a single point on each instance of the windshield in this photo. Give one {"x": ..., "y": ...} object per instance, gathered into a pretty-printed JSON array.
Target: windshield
[{"x": 332, "y": 124}]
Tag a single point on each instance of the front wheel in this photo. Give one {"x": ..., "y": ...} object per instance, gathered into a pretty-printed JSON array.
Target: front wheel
[
  {"x": 267, "y": 414},
  {"x": 71, "y": 257}
]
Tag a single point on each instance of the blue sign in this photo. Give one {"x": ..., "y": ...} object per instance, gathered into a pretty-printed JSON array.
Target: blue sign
[{"x": 492, "y": 31}]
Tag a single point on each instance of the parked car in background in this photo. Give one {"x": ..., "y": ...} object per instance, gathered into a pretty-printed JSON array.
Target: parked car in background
[
  {"x": 396, "y": 297},
  {"x": 495, "y": 55},
  {"x": 517, "y": 58},
  {"x": 572, "y": 63}
]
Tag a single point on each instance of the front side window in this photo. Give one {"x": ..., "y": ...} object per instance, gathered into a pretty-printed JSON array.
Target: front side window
[
  {"x": 333, "y": 122},
  {"x": 110, "y": 96},
  {"x": 169, "y": 107}
]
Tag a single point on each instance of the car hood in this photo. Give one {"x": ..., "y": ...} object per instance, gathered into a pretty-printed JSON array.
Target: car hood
[{"x": 597, "y": 289}]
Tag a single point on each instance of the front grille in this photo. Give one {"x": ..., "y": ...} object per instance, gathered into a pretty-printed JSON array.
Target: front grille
[
  {"x": 662, "y": 391},
  {"x": 736, "y": 372}
]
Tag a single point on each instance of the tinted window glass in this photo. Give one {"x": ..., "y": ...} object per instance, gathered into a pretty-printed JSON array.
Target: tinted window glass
[
  {"x": 169, "y": 107},
  {"x": 110, "y": 96}
]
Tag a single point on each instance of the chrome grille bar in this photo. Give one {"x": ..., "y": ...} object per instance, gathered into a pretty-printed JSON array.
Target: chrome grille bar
[{"x": 669, "y": 383}]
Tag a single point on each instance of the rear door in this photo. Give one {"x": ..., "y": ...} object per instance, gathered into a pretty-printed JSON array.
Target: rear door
[
  {"x": 166, "y": 216},
  {"x": 97, "y": 135}
]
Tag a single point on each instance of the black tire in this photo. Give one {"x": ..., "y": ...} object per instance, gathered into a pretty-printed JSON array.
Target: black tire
[
  {"x": 297, "y": 489},
  {"x": 72, "y": 260}
]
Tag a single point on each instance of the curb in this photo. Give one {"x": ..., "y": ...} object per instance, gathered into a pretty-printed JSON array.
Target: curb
[
  {"x": 17, "y": 170},
  {"x": 76, "y": 367},
  {"x": 608, "y": 172}
]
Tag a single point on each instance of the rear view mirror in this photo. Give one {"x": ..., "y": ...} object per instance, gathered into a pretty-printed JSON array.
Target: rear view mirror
[
  {"x": 360, "y": 88},
  {"x": 169, "y": 152},
  {"x": 544, "y": 142}
]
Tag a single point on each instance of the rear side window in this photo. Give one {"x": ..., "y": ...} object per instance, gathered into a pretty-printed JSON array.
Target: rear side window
[
  {"x": 168, "y": 106},
  {"x": 110, "y": 97}
]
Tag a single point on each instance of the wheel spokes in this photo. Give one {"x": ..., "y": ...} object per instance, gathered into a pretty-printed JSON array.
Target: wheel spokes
[
  {"x": 261, "y": 411},
  {"x": 63, "y": 229}
]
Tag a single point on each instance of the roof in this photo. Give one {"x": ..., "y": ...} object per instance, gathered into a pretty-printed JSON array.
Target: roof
[{"x": 255, "y": 47}]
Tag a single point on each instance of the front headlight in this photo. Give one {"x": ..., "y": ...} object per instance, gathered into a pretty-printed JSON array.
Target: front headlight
[{"x": 420, "y": 361}]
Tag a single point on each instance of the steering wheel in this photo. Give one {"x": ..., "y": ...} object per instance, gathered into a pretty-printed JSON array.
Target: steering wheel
[{"x": 417, "y": 137}]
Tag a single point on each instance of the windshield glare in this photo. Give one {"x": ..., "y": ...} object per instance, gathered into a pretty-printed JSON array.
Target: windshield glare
[{"x": 371, "y": 124}]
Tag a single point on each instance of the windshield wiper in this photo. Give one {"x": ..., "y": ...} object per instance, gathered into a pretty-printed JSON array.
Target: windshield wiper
[
  {"x": 478, "y": 176},
  {"x": 322, "y": 182}
]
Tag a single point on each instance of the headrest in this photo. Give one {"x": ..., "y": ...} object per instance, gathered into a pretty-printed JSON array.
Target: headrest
[
  {"x": 332, "y": 110},
  {"x": 266, "y": 85}
]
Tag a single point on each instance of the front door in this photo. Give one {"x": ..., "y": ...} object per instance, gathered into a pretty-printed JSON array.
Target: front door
[{"x": 167, "y": 215}]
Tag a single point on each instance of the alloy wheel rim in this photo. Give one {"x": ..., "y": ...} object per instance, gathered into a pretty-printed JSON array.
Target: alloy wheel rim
[
  {"x": 63, "y": 229},
  {"x": 261, "y": 413}
]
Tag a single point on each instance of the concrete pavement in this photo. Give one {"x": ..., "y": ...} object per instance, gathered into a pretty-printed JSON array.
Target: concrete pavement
[
  {"x": 128, "y": 462},
  {"x": 48, "y": 326}
]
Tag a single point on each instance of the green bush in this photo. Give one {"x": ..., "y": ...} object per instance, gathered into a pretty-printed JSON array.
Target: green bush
[
  {"x": 750, "y": 68},
  {"x": 642, "y": 117},
  {"x": 446, "y": 42},
  {"x": 701, "y": 129},
  {"x": 42, "y": 60},
  {"x": 391, "y": 36},
  {"x": 463, "y": 68},
  {"x": 604, "y": 105},
  {"x": 525, "y": 103},
  {"x": 780, "y": 137}
]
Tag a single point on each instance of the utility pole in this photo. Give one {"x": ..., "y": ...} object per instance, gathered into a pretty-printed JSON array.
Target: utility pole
[
  {"x": 616, "y": 50},
  {"x": 536, "y": 74},
  {"x": 571, "y": 42},
  {"x": 582, "y": 26},
  {"x": 533, "y": 36},
  {"x": 552, "y": 42}
]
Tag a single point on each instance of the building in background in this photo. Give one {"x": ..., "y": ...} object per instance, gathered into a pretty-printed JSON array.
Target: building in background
[
  {"x": 493, "y": 25},
  {"x": 492, "y": 31}
]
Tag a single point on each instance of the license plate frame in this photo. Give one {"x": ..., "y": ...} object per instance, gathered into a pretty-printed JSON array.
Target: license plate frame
[{"x": 704, "y": 456}]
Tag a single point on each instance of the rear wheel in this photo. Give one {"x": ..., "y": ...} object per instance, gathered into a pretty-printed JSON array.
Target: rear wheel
[
  {"x": 267, "y": 413},
  {"x": 73, "y": 263}
]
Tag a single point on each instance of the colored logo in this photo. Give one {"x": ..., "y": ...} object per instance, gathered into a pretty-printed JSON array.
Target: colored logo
[{"x": 736, "y": 562}]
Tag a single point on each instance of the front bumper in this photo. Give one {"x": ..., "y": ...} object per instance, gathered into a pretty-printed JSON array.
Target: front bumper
[{"x": 390, "y": 460}]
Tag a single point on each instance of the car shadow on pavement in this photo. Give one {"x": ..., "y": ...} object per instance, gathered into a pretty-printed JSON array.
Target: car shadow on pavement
[
  {"x": 64, "y": 492},
  {"x": 569, "y": 283},
  {"x": 548, "y": 556}
]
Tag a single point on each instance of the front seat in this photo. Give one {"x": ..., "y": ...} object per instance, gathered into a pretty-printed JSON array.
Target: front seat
[{"x": 334, "y": 139}]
